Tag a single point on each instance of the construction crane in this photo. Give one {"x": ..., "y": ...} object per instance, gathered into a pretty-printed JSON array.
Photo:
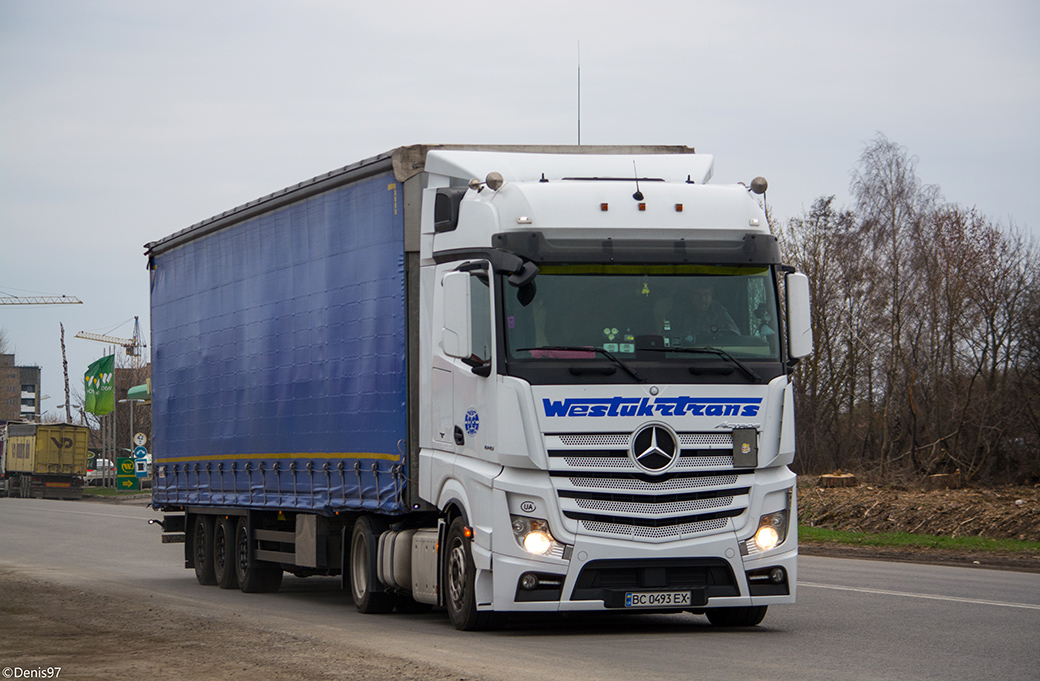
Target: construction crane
[
  {"x": 131, "y": 345},
  {"x": 40, "y": 300}
]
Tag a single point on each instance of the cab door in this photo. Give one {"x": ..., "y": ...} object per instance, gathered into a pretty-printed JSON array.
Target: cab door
[{"x": 469, "y": 347}]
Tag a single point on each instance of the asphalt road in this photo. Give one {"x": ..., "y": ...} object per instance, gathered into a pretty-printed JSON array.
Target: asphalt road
[{"x": 854, "y": 619}]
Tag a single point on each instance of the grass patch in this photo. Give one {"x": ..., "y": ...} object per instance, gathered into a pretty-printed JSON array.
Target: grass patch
[
  {"x": 109, "y": 492},
  {"x": 928, "y": 541}
]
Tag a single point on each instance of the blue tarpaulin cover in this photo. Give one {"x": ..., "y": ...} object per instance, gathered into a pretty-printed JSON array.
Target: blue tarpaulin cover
[{"x": 278, "y": 358}]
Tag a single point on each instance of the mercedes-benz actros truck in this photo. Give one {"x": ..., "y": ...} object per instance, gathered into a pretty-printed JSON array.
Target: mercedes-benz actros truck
[{"x": 489, "y": 379}]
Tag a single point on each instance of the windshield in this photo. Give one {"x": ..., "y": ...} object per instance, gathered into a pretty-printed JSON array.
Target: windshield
[{"x": 645, "y": 313}]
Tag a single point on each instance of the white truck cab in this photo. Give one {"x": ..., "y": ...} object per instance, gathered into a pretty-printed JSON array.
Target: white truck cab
[{"x": 608, "y": 411}]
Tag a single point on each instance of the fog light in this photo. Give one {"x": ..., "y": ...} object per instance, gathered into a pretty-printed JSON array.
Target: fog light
[
  {"x": 529, "y": 581},
  {"x": 776, "y": 576}
]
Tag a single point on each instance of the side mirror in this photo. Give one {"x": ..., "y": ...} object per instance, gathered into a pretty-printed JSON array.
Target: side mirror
[
  {"x": 799, "y": 316},
  {"x": 458, "y": 325}
]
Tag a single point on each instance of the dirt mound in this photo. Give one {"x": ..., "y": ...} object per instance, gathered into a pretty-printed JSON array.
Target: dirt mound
[{"x": 1000, "y": 513}]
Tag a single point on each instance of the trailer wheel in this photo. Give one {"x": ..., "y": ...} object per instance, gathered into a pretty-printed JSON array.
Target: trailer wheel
[
  {"x": 459, "y": 577},
  {"x": 224, "y": 554},
  {"x": 202, "y": 548},
  {"x": 252, "y": 580},
  {"x": 368, "y": 594},
  {"x": 736, "y": 617}
]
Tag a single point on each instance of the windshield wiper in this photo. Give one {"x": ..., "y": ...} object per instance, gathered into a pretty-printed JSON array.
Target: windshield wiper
[
  {"x": 586, "y": 348},
  {"x": 706, "y": 350}
]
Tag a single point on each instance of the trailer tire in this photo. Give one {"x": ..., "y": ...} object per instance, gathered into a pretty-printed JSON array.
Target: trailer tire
[
  {"x": 460, "y": 597},
  {"x": 370, "y": 597},
  {"x": 736, "y": 617},
  {"x": 224, "y": 554},
  {"x": 255, "y": 579},
  {"x": 202, "y": 549}
]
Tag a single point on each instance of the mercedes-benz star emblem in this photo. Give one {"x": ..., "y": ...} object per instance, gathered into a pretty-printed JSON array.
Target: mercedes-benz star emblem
[{"x": 654, "y": 448}]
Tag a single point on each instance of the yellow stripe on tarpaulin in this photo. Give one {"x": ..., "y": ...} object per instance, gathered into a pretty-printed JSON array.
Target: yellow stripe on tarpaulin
[{"x": 321, "y": 455}]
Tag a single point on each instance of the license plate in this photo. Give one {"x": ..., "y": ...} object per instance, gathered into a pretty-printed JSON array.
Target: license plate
[{"x": 657, "y": 599}]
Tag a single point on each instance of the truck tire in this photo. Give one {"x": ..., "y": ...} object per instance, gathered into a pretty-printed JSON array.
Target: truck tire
[
  {"x": 256, "y": 579},
  {"x": 459, "y": 577},
  {"x": 736, "y": 617},
  {"x": 368, "y": 593},
  {"x": 202, "y": 549},
  {"x": 224, "y": 554}
]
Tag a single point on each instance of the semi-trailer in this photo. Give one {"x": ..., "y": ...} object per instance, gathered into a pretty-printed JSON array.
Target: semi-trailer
[
  {"x": 43, "y": 460},
  {"x": 489, "y": 378}
]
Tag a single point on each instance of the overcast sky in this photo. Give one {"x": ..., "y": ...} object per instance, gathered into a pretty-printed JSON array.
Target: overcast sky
[{"x": 123, "y": 122}]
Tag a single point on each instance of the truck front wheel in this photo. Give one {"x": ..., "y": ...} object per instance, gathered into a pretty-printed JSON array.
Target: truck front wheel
[
  {"x": 459, "y": 577},
  {"x": 202, "y": 549}
]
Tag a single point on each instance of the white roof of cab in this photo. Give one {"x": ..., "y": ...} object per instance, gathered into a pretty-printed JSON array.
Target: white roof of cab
[{"x": 531, "y": 167}]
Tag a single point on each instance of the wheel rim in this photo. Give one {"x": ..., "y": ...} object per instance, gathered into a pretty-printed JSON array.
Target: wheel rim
[
  {"x": 359, "y": 568},
  {"x": 219, "y": 548},
  {"x": 457, "y": 574},
  {"x": 200, "y": 543},
  {"x": 243, "y": 552}
]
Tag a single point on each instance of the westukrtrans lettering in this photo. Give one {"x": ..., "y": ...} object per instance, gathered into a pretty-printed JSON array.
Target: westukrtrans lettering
[{"x": 661, "y": 406}]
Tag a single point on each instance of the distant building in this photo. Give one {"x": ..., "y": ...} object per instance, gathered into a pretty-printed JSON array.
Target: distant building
[{"x": 19, "y": 391}]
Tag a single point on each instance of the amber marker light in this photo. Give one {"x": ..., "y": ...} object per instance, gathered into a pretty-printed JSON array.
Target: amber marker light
[
  {"x": 642, "y": 206},
  {"x": 603, "y": 207},
  {"x": 678, "y": 208}
]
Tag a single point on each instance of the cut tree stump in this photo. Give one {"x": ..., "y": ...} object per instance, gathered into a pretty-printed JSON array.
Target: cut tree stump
[
  {"x": 838, "y": 480},
  {"x": 943, "y": 481}
]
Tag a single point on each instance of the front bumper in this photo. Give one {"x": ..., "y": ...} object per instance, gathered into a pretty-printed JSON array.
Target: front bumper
[{"x": 601, "y": 572}]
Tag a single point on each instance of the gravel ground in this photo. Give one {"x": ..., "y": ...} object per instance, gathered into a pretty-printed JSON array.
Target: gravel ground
[{"x": 44, "y": 626}]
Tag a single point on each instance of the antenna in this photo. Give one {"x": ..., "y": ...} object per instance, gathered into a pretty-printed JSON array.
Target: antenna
[{"x": 638, "y": 196}]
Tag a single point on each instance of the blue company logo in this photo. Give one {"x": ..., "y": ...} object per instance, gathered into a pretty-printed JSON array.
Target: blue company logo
[
  {"x": 647, "y": 407},
  {"x": 472, "y": 422}
]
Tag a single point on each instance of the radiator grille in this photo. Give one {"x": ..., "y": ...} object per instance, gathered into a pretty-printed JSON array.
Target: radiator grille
[{"x": 602, "y": 490}]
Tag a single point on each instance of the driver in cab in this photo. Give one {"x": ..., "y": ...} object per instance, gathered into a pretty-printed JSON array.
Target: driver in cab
[{"x": 695, "y": 317}]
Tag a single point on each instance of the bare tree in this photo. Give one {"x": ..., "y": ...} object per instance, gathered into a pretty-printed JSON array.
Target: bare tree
[
  {"x": 927, "y": 328},
  {"x": 890, "y": 203}
]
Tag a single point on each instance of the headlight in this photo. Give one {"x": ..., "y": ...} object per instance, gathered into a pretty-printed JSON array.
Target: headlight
[
  {"x": 533, "y": 535},
  {"x": 772, "y": 530}
]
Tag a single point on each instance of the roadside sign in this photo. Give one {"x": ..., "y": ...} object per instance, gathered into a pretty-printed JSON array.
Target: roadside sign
[
  {"x": 140, "y": 439},
  {"x": 142, "y": 468},
  {"x": 140, "y": 452},
  {"x": 126, "y": 474},
  {"x": 126, "y": 484}
]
